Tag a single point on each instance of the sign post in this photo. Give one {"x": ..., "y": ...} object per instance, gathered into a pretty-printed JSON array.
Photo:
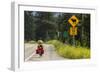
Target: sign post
[{"x": 73, "y": 30}]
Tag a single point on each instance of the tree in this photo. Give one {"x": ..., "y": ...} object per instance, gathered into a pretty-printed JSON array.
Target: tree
[
  {"x": 29, "y": 26},
  {"x": 44, "y": 25},
  {"x": 55, "y": 25}
]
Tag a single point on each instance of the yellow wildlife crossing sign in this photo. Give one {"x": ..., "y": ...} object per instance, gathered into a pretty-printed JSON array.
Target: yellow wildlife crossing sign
[{"x": 73, "y": 21}]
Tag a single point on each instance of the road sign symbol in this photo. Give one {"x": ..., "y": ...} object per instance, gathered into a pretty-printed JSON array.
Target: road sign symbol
[
  {"x": 73, "y": 20},
  {"x": 73, "y": 31}
]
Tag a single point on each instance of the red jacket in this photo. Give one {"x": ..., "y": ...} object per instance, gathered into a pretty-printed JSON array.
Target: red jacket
[{"x": 40, "y": 50}]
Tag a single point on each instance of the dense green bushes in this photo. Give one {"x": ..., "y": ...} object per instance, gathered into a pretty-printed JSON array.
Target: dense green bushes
[{"x": 69, "y": 51}]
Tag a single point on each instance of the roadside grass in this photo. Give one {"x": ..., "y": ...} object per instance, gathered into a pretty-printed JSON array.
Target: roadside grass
[{"x": 71, "y": 52}]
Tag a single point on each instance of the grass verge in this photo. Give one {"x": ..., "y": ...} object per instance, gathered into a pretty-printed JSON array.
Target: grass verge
[{"x": 71, "y": 52}]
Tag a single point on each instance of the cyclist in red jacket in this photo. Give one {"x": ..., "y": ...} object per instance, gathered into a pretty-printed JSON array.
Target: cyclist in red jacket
[{"x": 40, "y": 50}]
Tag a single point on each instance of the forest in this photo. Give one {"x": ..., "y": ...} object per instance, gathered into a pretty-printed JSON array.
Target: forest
[{"x": 48, "y": 26}]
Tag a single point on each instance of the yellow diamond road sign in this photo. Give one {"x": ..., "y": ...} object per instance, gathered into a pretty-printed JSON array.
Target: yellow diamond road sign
[{"x": 73, "y": 21}]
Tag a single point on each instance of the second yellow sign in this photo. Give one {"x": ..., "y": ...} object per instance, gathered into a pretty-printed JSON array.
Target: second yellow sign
[{"x": 73, "y": 31}]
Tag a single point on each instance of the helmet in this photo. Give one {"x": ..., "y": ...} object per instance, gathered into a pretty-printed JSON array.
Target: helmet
[{"x": 40, "y": 42}]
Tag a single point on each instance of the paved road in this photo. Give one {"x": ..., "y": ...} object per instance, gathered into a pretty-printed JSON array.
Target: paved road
[{"x": 49, "y": 53}]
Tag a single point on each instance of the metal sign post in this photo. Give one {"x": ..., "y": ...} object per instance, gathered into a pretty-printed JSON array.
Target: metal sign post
[{"x": 73, "y": 40}]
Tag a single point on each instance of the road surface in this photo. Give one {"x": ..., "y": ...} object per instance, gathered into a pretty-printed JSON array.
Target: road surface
[{"x": 49, "y": 53}]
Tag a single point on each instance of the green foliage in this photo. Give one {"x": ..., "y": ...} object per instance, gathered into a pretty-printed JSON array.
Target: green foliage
[
  {"x": 74, "y": 52},
  {"x": 29, "y": 26},
  {"x": 69, "y": 51},
  {"x": 56, "y": 43},
  {"x": 46, "y": 26}
]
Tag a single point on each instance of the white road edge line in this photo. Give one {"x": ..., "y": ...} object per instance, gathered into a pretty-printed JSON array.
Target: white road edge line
[{"x": 29, "y": 57}]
